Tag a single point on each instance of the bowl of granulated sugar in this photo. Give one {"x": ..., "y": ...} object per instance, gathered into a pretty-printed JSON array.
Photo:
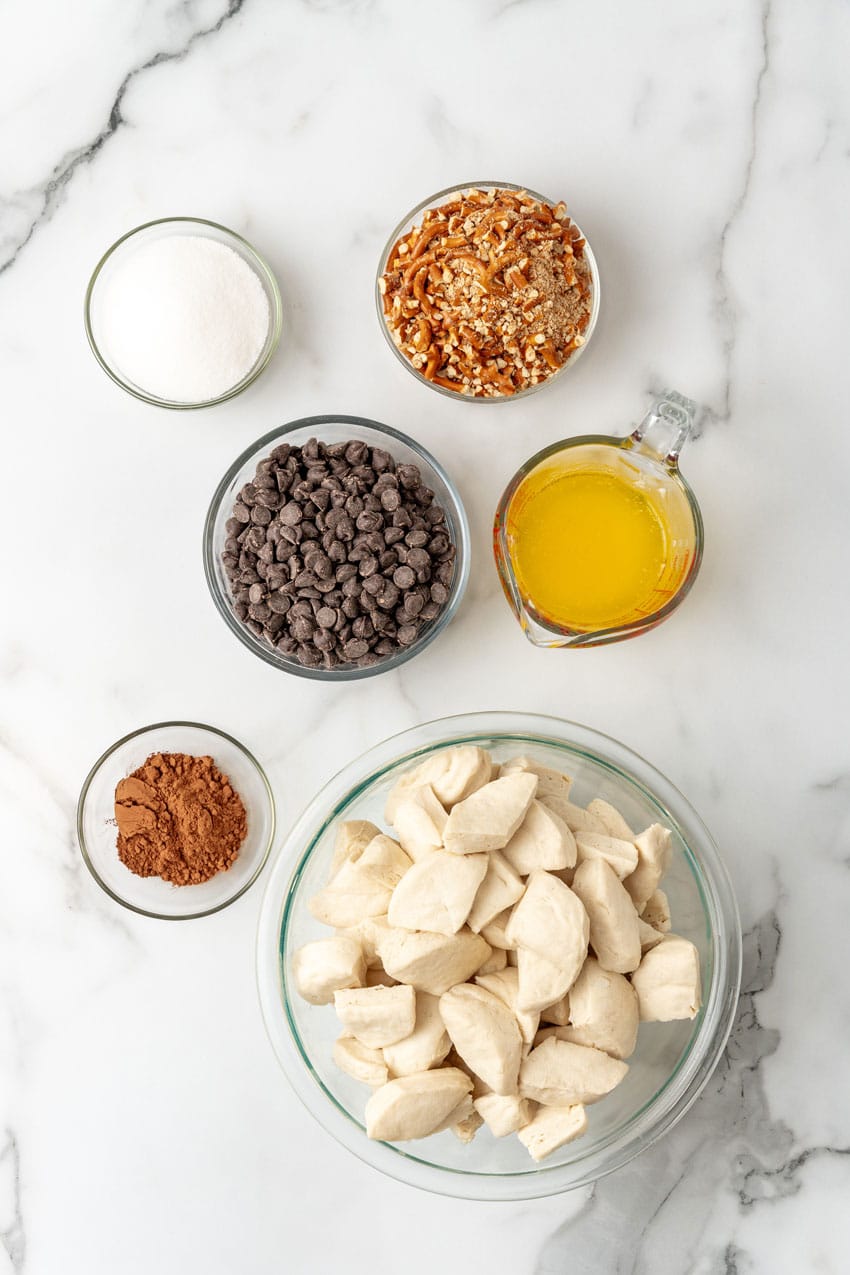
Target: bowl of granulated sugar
[{"x": 183, "y": 313}]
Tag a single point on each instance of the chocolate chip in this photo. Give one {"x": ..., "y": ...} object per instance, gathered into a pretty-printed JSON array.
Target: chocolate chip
[
  {"x": 418, "y": 559},
  {"x": 291, "y": 514},
  {"x": 404, "y": 577},
  {"x": 389, "y": 594},
  {"x": 355, "y": 649},
  {"x": 279, "y": 603},
  {"x": 367, "y": 521}
]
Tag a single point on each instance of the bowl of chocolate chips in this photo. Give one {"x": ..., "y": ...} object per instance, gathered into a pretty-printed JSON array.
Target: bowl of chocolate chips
[{"x": 336, "y": 547}]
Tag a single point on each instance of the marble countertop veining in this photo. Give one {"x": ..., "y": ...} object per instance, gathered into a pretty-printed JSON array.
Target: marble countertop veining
[{"x": 144, "y": 1124}]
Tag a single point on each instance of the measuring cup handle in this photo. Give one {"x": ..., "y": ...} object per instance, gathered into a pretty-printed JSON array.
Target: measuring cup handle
[{"x": 664, "y": 430}]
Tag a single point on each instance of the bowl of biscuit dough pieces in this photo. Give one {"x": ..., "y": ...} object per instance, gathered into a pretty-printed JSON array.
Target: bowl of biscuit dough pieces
[{"x": 498, "y": 956}]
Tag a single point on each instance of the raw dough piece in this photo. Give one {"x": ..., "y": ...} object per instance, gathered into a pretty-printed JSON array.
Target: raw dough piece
[
  {"x": 622, "y": 856},
  {"x": 419, "y": 822},
  {"x": 499, "y": 891},
  {"x": 497, "y": 960},
  {"x": 362, "y": 887},
  {"x": 541, "y": 982},
  {"x": 352, "y": 838},
  {"x": 415, "y": 1106},
  {"x": 649, "y": 937},
  {"x": 654, "y": 848},
  {"x": 453, "y": 773},
  {"x": 489, "y": 818},
  {"x": 603, "y": 1011},
  {"x": 667, "y": 981},
  {"x": 426, "y": 1046},
  {"x": 358, "y": 1060},
  {"x": 611, "y": 819},
  {"x": 561, "y": 1074},
  {"x": 465, "y": 1128},
  {"x": 550, "y": 783},
  {"x": 504, "y": 1113},
  {"x": 656, "y": 911},
  {"x": 575, "y": 817},
  {"x": 438, "y": 892},
  {"x": 505, "y": 985},
  {"x": 551, "y": 1128},
  {"x": 614, "y": 931},
  {"x": 432, "y": 962},
  {"x": 326, "y": 966},
  {"x": 367, "y": 933},
  {"x": 377, "y": 1016},
  {"x": 495, "y": 931},
  {"x": 542, "y": 840},
  {"x": 551, "y": 921},
  {"x": 485, "y": 1034}
]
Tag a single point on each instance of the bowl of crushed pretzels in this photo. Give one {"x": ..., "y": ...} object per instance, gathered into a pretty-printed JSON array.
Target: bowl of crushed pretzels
[{"x": 487, "y": 291}]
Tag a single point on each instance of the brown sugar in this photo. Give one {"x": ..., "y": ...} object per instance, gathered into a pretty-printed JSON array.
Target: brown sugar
[{"x": 178, "y": 818}]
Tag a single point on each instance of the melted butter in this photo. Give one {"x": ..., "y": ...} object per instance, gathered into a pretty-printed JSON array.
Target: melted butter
[{"x": 589, "y": 547}]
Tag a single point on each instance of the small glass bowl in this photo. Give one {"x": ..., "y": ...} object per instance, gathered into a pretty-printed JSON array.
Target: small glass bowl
[
  {"x": 672, "y": 1062},
  {"x": 334, "y": 429},
  {"x": 407, "y": 223},
  {"x": 163, "y": 228},
  {"x": 97, "y": 834}
]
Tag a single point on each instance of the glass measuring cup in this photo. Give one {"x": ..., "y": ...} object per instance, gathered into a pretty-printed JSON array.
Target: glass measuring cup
[{"x": 661, "y": 518}]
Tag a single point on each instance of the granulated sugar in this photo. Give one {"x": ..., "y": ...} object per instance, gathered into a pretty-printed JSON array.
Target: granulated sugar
[{"x": 184, "y": 318}]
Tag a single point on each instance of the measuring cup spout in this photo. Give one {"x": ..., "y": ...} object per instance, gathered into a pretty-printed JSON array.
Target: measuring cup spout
[{"x": 664, "y": 430}]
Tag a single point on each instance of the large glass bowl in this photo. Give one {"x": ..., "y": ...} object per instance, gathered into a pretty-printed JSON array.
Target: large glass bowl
[
  {"x": 409, "y": 221},
  {"x": 672, "y": 1062},
  {"x": 334, "y": 429}
]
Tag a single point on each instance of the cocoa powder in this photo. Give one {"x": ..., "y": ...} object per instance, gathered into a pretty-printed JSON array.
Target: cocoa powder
[{"x": 178, "y": 818}]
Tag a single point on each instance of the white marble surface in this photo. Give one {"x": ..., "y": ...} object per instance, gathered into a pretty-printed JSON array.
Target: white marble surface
[{"x": 144, "y": 1124}]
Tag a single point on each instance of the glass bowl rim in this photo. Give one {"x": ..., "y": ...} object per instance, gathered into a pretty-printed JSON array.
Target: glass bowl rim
[
  {"x": 101, "y": 761},
  {"x": 270, "y": 287},
  {"x": 267, "y": 653},
  {"x": 620, "y": 632},
  {"x": 496, "y": 398},
  {"x": 712, "y": 1025}
]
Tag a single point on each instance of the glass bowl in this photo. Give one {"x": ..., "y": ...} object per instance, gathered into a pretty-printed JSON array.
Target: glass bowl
[
  {"x": 167, "y": 227},
  {"x": 334, "y": 429},
  {"x": 96, "y": 828},
  {"x": 672, "y": 1062},
  {"x": 407, "y": 223}
]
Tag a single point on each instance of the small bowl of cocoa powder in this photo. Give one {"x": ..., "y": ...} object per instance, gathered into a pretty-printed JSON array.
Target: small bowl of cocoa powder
[
  {"x": 488, "y": 291},
  {"x": 176, "y": 820}
]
